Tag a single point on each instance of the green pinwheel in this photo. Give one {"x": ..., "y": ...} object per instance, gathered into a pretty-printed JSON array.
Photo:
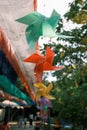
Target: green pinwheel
[{"x": 40, "y": 25}]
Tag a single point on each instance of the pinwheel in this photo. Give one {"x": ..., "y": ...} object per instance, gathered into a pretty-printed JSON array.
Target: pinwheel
[
  {"x": 11, "y": 89},
  {"x": 43, "y": 90},
  {"x": 43, "y": 63},
  {"x": 40, "y": 25}
]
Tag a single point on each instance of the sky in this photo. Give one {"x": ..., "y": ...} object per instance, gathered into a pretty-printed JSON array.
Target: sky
[{"x": 46, "y": 6}]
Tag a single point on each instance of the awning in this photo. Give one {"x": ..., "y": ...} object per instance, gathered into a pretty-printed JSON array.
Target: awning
[{"x": 13, "y": 41}]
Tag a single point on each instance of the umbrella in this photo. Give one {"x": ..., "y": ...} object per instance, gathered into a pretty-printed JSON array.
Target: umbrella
[
  {"x": 40, "y": 25},
  {"x": 7, "y": 103},
  {"x": 43, "y": 91},
  {"x": 43, "y": 63}
]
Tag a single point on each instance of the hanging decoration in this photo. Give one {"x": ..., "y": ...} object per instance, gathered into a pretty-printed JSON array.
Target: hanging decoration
[
  {"x": 43, "y": 63},
  {"x": 43, "y": 91},
  {"x": 40, "y": 25},
  {"x": 11, "y": 89}
]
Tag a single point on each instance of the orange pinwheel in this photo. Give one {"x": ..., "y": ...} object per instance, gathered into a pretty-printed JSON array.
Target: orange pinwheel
[{"x": 43, "y": 63}]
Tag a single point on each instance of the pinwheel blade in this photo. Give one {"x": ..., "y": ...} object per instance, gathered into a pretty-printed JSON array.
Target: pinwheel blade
[
  {"x": 47, "y": 30},
  {"x": 49, "y": 55},
  {"x": 50, "y": 97},
  {"x": 54, "y": 19},
  {"x": 30, "y": 18},
  {"x": 34, "y": 58}
]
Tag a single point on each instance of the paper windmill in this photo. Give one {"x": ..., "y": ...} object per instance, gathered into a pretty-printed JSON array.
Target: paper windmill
[
  {"x": 43, "y": 63},
  {"x": 39, "y": 25},
  {"x": 43, "y": 91}
]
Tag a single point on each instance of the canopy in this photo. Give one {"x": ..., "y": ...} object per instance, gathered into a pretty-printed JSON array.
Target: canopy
[
  {"x": 5, "y": 96},
  {"x": 6, "y": 68},
  {"x": 13, "y": 42},
  {"x": 11, "y": 89}
]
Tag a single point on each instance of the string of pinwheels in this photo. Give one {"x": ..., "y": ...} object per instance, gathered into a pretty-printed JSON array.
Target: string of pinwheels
[{"x": 40, "y": 25}]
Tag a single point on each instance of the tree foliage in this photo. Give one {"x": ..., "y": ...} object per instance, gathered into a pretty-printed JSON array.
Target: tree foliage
[
  {"x": 78, "y": 12},
  {"x": 70, "y": 89}
]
